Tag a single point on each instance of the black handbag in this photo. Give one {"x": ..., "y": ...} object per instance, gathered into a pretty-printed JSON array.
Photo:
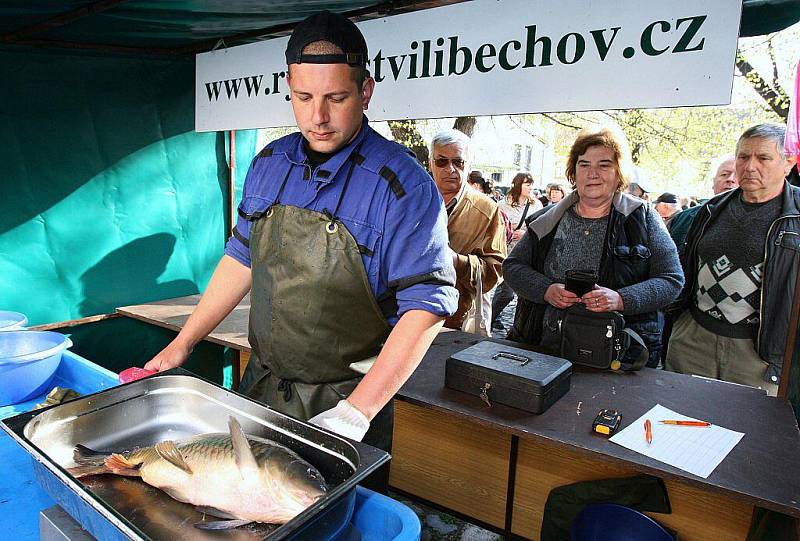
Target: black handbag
[{"x": 600, "y": 340}]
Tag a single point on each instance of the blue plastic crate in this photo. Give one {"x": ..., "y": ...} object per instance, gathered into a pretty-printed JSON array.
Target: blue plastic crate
[{"x": 23, "y": 498}]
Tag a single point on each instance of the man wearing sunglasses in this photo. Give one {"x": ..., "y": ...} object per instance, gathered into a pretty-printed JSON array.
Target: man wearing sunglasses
[{"x": 474, "y": 225}]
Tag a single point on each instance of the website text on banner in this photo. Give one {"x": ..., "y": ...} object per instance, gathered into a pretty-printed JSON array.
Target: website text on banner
[{"x": 507, "y": 56}]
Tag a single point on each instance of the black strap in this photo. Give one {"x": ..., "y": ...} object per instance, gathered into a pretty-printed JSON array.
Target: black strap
[
  {"x": 644, "y": 354},
  {"x": 524, "y": 212},
  {"x": 351, "y": 59},
  {"x": 394, "y": 182},
  {"x": 241, "y": 238},
  {"x": 353, "y": 160},
  {"x": 283, "y": 184},
  {"x": 266, "y": 152},
  {"x": 607, "y": 250}
]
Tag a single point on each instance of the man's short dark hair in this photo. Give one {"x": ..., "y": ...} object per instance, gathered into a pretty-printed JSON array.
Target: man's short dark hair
[{"x": 772, "y": 132}]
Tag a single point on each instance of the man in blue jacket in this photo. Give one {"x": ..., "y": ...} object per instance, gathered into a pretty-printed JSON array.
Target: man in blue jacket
[{"x": 342, "y": 242}]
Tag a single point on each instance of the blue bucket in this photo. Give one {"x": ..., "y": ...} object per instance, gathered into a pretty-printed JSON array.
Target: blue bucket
[
  {"x": 28, "y": 362},
  {"x": 612, "y": 522},
  {"x": 12, "y": 321}
]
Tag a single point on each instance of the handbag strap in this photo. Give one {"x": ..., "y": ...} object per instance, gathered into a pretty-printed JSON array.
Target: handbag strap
[
  {"x": 524, "y": 214},
  {"x": 479, "y": 284},
  {"x": 644, "y": 354}
]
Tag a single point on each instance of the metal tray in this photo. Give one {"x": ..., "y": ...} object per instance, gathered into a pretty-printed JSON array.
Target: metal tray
[{"x": 174, "y": 405}]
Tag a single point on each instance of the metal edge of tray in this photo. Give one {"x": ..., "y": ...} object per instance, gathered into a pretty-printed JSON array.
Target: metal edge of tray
[
  {"x": 97, "y": 504},
  {"x": 370, "y": 458}
]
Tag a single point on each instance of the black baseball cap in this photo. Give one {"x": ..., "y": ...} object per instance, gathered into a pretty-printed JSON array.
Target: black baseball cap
[
  {"x": 667, "y": 197},
  {"x": 332, "y": 27}
]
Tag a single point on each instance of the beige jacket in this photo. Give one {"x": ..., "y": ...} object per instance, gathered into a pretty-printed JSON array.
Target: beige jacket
[{"x": 477, "y": 234}]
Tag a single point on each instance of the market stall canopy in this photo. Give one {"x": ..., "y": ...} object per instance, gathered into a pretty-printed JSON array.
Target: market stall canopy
[
  {"x": 186, "y": 27},
  {"x": 766, "y": 16},
  {"x": 171, "y": 27}
]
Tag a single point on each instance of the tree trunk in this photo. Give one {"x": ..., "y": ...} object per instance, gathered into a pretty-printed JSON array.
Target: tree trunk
[
  {"x": 465, "y": 124},
  {"x": 776, "y": 98},
  {"x": 405, "y": 132}
]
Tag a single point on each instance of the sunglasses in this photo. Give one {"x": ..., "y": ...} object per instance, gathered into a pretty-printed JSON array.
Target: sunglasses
[{"x": 458, "y": 163}]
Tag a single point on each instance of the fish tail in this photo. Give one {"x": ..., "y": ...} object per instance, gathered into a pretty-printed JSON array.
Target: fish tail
[
  {"x": 91, "y": 462},
  {"x": 85, "y": 471}
]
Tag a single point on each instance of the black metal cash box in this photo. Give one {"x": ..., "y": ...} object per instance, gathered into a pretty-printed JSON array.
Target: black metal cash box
[{"x": 508, "y": 375}]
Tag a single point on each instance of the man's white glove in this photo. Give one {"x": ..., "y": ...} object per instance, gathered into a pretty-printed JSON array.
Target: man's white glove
[{"x": 344, "y": 419}]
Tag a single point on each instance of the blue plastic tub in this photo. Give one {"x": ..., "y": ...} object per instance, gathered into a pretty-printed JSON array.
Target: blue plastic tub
[
  {"x": 28, "y": 361},
  {"x": 12, "y": 321},
  {"x": 380, "y": 518},
  {"x": 612, "y": 522}
]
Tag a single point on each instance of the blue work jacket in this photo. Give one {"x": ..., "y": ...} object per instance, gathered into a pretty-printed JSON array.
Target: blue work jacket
[{"x": 391, "y": 207}]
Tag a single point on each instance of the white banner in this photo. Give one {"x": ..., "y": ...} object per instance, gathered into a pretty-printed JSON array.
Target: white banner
[{"x": 490, "y": 57}]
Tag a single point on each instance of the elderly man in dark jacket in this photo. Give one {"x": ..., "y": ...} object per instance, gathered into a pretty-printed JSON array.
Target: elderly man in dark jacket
[{"x": 741, "y": 255}]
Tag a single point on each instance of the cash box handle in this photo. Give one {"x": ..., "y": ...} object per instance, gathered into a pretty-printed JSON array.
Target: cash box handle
[{"x": 519, "y": 358}]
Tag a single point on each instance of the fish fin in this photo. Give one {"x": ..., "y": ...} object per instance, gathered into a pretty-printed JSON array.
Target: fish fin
[
  {"x": 221, "y": 524},
  {"x": 214, "y": 512},
  {"x": 119, "y": 465},
  {"x": 241, "y": 448},
  {"x": 170, "y": 452}
]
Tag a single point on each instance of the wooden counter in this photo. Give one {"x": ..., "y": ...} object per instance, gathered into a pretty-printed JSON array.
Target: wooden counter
[
  {"x": 496, "y": 466},
  {"x": 173, "y": 313}
]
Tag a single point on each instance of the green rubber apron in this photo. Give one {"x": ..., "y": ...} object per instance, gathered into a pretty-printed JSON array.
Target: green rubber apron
[{"x": 312, "y": 313}]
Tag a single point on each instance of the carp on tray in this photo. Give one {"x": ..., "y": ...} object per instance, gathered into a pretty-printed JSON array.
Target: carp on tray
[{"x": 232, "y": 476}]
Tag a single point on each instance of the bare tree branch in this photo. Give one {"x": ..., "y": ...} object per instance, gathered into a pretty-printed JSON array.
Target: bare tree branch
[
  {"x": 554, "y": 119},
  {"x": 776, "y": 98},
  {"x": 465, "y": 124},
  {"x": 771, "y": 52}
]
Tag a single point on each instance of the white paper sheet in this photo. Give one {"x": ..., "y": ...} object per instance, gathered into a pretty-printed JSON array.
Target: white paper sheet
[{"x": 697, "y": 450}]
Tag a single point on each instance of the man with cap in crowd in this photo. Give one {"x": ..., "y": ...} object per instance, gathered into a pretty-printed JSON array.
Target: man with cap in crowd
[
  {"x": 636, "y": 189},
  {"x": 667, "y": 206},
  {"x": 724, "y": 179},
  {"x": 638, "y": 186},
  {"x": 342, "y": 243},
  {"x": 741, "y": 252}
]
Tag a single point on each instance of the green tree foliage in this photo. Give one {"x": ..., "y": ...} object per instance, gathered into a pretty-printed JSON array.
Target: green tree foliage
[{"x": 675, "y": 147}]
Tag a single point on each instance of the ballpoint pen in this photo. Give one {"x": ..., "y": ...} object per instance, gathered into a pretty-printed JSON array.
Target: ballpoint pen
[
  {"x": 685, "y": 423},
  {"x": 648, "y": 432}
]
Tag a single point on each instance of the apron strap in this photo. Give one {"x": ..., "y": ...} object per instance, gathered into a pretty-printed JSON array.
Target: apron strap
[
  {"x": 283, "y": 184},
  {"x": 352, "y": 159}
]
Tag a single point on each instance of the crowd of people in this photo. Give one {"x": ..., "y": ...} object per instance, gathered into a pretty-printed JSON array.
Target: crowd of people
[
  {"x": 703, "y": 283},
  {"x": 354, "y": 256}
]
